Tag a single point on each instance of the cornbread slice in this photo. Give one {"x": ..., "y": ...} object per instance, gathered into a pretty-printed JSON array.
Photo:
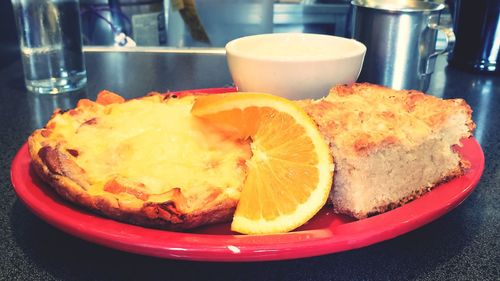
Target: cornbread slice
[
  {"x": 145, "y": 161},
  {"x": 389, "y": 146}
]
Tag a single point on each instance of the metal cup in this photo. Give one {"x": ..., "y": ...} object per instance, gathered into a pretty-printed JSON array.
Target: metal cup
[{"x": 401, "y": 41}]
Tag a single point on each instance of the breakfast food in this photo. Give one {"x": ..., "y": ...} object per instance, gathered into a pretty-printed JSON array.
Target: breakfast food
[
  {"x": 181, "y": 162},
  {"x": 176, "y": 162},
  {"x": 290, "y": 172},
  {"x": 389, "y": 146},
  {"x": 145, "y": 161}
]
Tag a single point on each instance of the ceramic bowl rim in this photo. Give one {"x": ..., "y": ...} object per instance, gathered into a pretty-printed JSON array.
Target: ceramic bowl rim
[{"x": 359, "y": 49}]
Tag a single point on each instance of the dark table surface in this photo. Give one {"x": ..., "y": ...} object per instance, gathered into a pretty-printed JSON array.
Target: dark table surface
[{"x": 461, "y": 245}]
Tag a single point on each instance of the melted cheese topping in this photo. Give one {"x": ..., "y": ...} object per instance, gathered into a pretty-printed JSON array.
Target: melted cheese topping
[{"x": 155, "y": 145}]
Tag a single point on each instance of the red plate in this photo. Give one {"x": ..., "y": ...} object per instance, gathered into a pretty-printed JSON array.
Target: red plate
[{"x": 325, "y": 233}]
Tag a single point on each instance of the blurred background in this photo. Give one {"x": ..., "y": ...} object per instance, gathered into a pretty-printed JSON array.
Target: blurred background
[{"x": 189, "y": 23}]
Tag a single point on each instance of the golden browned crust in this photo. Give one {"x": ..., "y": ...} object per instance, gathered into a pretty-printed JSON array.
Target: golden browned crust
[
  {"x": 63, "y": 179},
  {"x": 56, "y": 165},
  {"x": 364, "y": 117}
]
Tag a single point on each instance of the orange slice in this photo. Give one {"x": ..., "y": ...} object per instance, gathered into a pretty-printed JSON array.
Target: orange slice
[{"x": 291, "y": 169}]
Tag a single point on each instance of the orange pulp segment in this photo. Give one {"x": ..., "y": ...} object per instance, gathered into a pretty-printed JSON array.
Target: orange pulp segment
[{"x": 290, "y": 172}]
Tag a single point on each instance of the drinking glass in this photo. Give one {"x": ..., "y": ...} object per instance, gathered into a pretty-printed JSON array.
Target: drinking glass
[
  {"x": 477, "y": 26},
  {"x": 51, "y": 45}
]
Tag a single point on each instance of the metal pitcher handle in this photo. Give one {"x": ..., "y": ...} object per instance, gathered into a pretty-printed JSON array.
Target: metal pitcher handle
[{"x": 450, "y": 43}]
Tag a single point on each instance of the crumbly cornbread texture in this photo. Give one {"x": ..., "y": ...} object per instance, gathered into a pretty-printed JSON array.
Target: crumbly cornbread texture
[{"x": 389, "y": 146}]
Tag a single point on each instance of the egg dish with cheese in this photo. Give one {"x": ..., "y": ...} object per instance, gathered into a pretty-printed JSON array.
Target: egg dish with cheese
[{"x": 144, "y": 161}]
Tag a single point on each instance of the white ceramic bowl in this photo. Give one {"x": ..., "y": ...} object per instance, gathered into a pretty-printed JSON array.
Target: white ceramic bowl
[{"x": 294, "y": 65}]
